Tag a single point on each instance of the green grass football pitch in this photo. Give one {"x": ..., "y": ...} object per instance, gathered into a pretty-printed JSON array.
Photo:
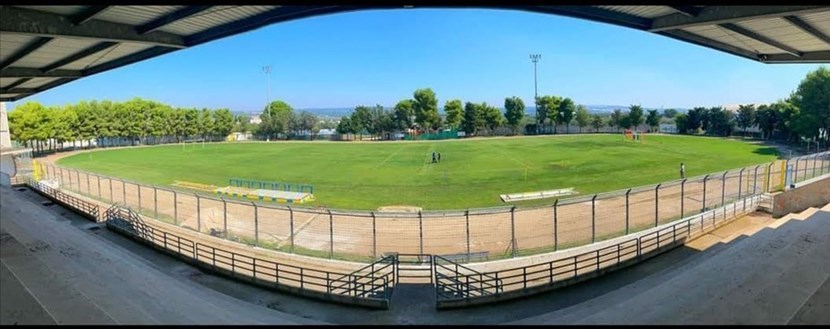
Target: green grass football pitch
[{"x": 472, "y": 173}]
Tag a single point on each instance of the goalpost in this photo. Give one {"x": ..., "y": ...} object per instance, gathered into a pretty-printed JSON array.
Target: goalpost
[{"x": 191, "y": 144}]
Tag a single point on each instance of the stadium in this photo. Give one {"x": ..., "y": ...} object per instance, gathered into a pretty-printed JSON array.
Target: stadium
[{"x": 446, "y": 220}]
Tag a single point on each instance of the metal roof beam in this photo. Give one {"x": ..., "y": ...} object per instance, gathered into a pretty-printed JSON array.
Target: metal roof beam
[
  {"x": 712, "y": 15},
  {"x": 280, "y": 14},
  {"x": 31, "y": 72},
  {"x": 690, "y": 11},
  {"x": 807, "y": 28},
  {"x": 594, "y": 14},
  {"x": 170, "y": 18},
  {"x": 807, "y": 57},
  {"x": 50, "y": 85},
  {"x": 38, "y": 23},
  {"x": 79, "y": 55},
  {"x": 17, "y": 83},
  {"x": 88, "y": 14},
  {"x": 25, "y": 51},
  {"x": 127, "y": 60},
  {"x": 761, "y": 38},
  {"x": 709, "y": 43}
]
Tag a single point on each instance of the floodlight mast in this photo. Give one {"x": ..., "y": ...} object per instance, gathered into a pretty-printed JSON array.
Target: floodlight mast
[
  {"x": 535, "y": 58},
  {"x": 267, "y": 70}
]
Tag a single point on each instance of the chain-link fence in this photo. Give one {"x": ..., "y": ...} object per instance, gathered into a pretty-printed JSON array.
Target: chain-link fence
[{"x": 464, "y": 235}]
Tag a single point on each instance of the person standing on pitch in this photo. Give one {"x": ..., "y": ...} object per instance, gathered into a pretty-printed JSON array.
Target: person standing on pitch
[
  {"x": 433, "y": 157},
  {"x": 682, "y": 171},
  {"x": 439, "y": 157}
]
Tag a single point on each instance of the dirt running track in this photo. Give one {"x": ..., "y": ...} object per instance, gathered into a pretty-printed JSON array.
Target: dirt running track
[{"x": 363, "y": 235}]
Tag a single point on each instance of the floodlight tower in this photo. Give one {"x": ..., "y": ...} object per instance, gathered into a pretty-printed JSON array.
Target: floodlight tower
[
  {"x": 535, "y": 58},
  {"x": 267, "y": 70}
]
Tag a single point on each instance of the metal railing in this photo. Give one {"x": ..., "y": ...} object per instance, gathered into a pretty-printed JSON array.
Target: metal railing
[
  {"x": 454, "y": 288},
  {"x": 494, "y": 233},
  {"x": 475, "y": 284},
  {"x": 372, "y": 289},
  {"x": 87, "y": 209}
]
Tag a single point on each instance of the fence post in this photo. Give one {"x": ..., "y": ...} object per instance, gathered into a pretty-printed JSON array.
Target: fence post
[
  {"x": 740, "y": 185},
  {"x": 723, "y": 193},
  {"x": 421, "y": 230},
  {"x": 374, "y": 236},
  {"x": 795, "y": 171},
  {"x": 703, "y": 208},
  {"x": 513, "y": 231},
  {"x": 124, "y": 192},
  {"x": 593, "y": 219},
  {"x": 555, "y": 226},
  {"x": 111, "y": 197},
  {"x": 224, "y": 216},
  {"x": 89, "y": 191},
  {"x": 98, "y": 179},
  {"x": 198, "y": 213},
  {"x": 626, "y": 211},
  {"x": 256, "y": 224},
  {"x": 467, "y": 218},
  {"x": 155, "y": 202},
  {"x": 331, "y": 235},
  {"x": 755, "y": 181},
  {"x": 175, "y": 208},
  {"x": 138, "y": 187},
  {"x": 815, "y": 159},
  {"x": 682, "y": 196},
  {"x": 656, "y": 203},
  {"x": 291, "y": 226}
]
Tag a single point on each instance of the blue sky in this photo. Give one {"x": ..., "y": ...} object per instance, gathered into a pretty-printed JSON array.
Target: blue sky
[{"x": 382, "y": 56}]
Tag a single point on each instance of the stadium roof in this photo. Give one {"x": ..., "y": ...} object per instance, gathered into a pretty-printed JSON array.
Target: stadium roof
[{"x": 42, "y": 47}]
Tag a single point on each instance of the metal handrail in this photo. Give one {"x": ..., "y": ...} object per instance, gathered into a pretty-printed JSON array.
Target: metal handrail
[{"x": 235, "y": 263}]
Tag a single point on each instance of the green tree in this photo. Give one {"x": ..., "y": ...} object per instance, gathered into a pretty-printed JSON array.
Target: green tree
[
  {"x": 635, "y": 116},
  {"x": 453, "y": 110},
  {"x": 681, "y": 121},
  {"x": 205, "y": 123},
  {"x": 222, "y": 122},
  {"x": 616, "y": 119},
  {"x": 362, "y": 120},
  {"x": 344, "y": 127},
  {"x": 653, "y": 120},
  {"x": 473, "y": 118},
  {"x": 670, "y": 113},
  {"x": 812, "y": 97},
  {"x": 275, "y": 118},
  {"x": 492, "y": 116},
  {"x": 767, "y": 118},
  {"x": 583, "y": 118},
  {"x": 565, "y": 113},
  {"x": 548, "y": 110},
  {"x": 515, "y": 111},
  {"x": 625, "y": 122},
  {"x": 597, "y": 122},
  {"x": 695, "y": 119},
  {"x": 426, "y": 109},
  {"x": 746, "y": 116},
  {"x": 404, "y": 114}
]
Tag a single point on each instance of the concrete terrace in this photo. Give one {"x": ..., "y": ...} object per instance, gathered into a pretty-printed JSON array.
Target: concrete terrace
[{"x": 58, "y": 268}]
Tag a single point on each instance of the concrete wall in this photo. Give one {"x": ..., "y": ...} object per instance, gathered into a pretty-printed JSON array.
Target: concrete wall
[{"x": 815, "y": 193}]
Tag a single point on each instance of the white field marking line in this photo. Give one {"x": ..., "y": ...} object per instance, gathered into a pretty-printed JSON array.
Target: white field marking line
[
  {"x": 306, "y": 223},
  {"x": 524, "y": 164},
  {"x": 426, "y": 166},
  {"x": 390, "y": 156}
]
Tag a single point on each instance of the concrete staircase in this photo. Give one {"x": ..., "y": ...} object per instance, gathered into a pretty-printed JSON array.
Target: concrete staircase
[{"x": 754, "y": 270}]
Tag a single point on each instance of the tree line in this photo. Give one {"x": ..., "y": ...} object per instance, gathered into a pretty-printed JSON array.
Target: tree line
[
  {"x": 116, "y": 123},
  {"x": 804, "y": 115}
]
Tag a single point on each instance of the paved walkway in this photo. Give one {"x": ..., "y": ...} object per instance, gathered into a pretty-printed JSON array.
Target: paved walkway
[{"x": 54, "y": 271}]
